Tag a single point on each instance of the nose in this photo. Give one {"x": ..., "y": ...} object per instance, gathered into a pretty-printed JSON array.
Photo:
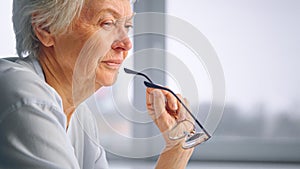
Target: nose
[{"x": 122, "y": 45}]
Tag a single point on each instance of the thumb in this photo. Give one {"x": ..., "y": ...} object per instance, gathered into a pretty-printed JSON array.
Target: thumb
[{"x": 159, "y": 103}]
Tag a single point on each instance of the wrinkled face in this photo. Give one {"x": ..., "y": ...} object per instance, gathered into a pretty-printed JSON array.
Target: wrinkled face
[{"x": 98, "y": 42}]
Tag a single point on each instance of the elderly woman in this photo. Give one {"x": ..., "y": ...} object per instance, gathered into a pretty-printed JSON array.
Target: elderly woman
[{"x": 68, "y": 49}]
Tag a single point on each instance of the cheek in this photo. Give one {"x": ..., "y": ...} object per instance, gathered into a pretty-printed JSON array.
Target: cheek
[{"x": 69, "y": 46}]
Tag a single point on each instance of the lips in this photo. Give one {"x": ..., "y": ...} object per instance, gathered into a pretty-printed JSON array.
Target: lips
[{"x": 112, "y": 64}]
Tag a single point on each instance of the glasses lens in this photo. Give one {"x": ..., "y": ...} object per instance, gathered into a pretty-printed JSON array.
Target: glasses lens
[
  {"x": 194, "y": 139},
  {"x": 181, "y": 129}
]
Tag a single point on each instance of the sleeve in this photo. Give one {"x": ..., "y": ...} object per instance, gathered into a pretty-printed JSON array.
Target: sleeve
[
  {"x": 101, "y": 162},
  {"x": 32, "y": 137}
]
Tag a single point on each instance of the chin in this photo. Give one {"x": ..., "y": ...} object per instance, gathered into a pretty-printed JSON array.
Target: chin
[
  {"x": 107, "y": 83},
  {"x": 107, "y": 79},
  {"x": 105, "y": 76}
]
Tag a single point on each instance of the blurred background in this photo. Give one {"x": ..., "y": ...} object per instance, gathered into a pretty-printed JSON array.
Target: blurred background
[{"x": 258, "y": 45}]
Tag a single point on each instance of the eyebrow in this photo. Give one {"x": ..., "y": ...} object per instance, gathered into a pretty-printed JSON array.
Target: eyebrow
[{"x": 114, "y": 13}]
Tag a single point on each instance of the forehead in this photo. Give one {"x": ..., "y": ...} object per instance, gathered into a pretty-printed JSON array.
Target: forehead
[{"x": 118, "y": 8}]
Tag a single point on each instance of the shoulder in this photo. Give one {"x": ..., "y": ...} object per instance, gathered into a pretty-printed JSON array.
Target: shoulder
[
  {"x": 32, "y": 134},
  {"x": 32, "y": 122},
  {"x": 20, "y": 85}
]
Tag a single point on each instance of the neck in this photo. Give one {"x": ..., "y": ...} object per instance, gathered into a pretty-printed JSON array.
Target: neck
[{"x": 60, "y": 78}]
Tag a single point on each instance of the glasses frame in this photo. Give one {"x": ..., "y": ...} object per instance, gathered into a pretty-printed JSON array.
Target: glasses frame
[{"x": 150, "y": 84}]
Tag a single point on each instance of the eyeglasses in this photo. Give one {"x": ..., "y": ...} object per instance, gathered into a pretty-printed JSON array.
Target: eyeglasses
[{"x": 184, "y": 128}]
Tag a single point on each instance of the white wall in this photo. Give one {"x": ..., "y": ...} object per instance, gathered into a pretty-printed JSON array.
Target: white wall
[{"x": 7, "y": 41}]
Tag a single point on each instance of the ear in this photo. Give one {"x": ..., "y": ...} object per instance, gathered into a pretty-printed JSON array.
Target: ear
[{"x": 43, "y": 35}]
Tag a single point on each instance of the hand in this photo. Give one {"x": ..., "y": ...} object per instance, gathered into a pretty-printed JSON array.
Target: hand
[{"x": 166, "y": 111}]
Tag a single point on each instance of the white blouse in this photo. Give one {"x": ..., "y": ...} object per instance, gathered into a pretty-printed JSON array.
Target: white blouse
[{"x": 33, "y": 130}]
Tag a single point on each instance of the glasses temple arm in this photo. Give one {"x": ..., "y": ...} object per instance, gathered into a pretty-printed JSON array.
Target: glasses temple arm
[
  {"x": 129, "y": 71},
  {"x": 151, "y": 85}
]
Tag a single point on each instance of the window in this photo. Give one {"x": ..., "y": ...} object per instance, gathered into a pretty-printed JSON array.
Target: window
[{"x": 258, "y": 45}]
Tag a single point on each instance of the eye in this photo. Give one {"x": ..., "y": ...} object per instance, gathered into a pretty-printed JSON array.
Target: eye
[
  {"x": 107, "y": 24},
  {"x": 128, "y": 26}
]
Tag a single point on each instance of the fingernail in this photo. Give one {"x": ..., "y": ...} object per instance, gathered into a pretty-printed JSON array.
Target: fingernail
[{"x": 175, "y": 106}]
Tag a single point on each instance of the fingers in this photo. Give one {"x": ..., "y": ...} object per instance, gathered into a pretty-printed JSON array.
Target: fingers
[
  {"x": 149, "y": 98},
  {"x": 155, "y": 101},
  {"x": 169, "y": 101},
  {"x": 165, "y": 109},
  {"x": 158, "y": 102},
  {"x": 156, "y": 105}
]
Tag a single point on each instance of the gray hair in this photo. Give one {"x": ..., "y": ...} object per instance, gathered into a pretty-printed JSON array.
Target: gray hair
[{"x": 53, "y": 15}]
